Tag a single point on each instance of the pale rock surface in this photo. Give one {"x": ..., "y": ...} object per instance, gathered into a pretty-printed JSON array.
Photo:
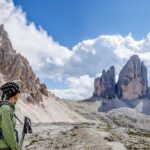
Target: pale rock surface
[
  {"x": 118, "y": 129},
  {"x": 48, "y": 110}
]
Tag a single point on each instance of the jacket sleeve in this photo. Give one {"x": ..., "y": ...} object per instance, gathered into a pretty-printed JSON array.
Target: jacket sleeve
[{"x": 7, "y": 129}]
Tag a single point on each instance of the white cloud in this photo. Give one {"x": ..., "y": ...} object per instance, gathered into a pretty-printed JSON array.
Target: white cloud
[
  {"x": 92, "y": 56},
  {"x": 32, "y": 42},
  {"x": 79, "y": 88}
]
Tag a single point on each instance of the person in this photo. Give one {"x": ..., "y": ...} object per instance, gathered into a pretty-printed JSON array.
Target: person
[{"x": 8, "y": 133}]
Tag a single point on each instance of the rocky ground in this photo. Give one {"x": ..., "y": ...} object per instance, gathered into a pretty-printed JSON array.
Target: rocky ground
[{"x": 102, "y": 131}]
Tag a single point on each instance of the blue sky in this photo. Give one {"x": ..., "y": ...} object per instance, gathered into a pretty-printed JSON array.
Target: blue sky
[
  {"x": 71, "y": 21},
  {"x": 69, "y": 42}
]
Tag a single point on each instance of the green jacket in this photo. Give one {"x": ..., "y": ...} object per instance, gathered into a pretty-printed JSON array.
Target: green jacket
[{"x": 7, "y": 125}]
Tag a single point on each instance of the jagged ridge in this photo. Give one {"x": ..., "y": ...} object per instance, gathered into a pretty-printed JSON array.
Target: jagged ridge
[{"x": 15, "y": 67}]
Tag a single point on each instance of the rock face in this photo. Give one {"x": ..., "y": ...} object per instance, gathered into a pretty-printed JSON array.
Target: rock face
[
  {"x": 104, "y": 86},
  {"x": 15, "y": 67},
  {"x": 148, "y": 93},
  {"x": 132, "y": 83}
]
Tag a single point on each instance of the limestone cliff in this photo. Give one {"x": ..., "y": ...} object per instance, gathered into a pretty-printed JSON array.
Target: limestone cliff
[
  {"x": 132, "y": 82},
  {"x": 104, "y": 86},
  {"x": 15, "y": 67}
]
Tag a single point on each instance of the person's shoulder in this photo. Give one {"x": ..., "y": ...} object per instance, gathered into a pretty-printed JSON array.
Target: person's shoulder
[{"x": 5, "y": 107}]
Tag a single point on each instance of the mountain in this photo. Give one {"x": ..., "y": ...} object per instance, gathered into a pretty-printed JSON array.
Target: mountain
[
  {"x": 15, "y": 67},
  {"x": 35, "y": 100},
  {"x": 132, "y": 83},
  {"x": 104, "y": 86}
]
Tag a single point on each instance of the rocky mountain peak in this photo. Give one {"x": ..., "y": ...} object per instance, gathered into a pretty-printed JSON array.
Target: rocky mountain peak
[
  {"x": 104, "y": 86},
  {"x": 132, "y": 83},
  {"x": 15, "y": 67},
  {"x": 5, "y": 43}
]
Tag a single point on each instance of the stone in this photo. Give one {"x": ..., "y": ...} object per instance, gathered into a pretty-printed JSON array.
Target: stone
[
  {"x": 43, "y": 89},
  {"x": 4, "y": 40},
  {"x": 104, "y": 86},
  {"x": 148, "y": 93},
  {"x": 132, "y": 83},
  {"x": 15, "y": 67}
]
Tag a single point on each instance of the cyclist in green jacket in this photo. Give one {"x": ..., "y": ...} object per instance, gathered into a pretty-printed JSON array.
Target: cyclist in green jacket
[{"x": 8, "y": 134}]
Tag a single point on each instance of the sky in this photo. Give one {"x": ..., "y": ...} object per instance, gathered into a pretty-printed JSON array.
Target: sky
[
  {"x": 69, "y": 42},
  {"x": 72, "y": 21}
]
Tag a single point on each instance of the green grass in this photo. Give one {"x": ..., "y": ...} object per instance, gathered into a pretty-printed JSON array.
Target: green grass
[
  {"x": 32, "y": 142},
  {"x": 136, "y": 133}
]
